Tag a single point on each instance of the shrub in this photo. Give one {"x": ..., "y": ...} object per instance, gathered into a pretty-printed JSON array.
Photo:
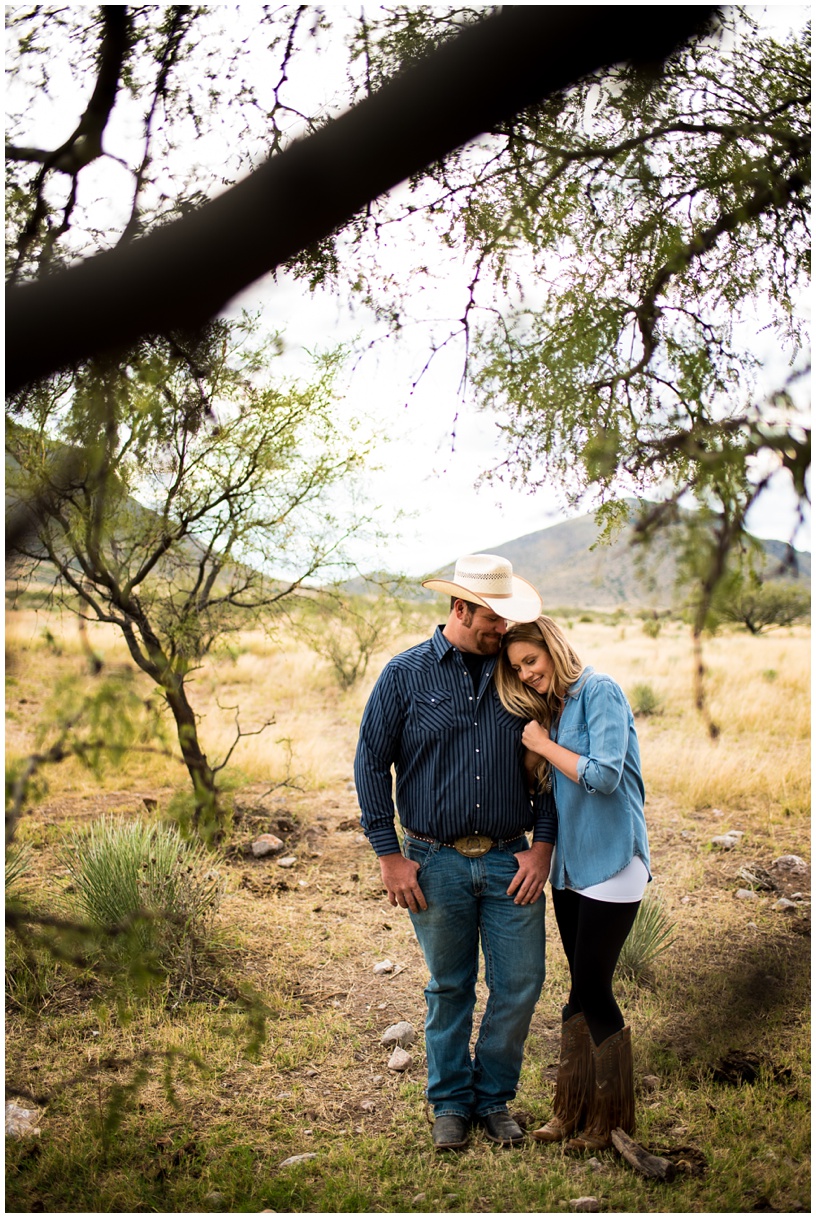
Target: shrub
[
  {"x": 644, "y": 700},
  {"x": 651, "y": 627},
  {"x": 154, "y": 892},
  {"x": 650, "y": 936}
]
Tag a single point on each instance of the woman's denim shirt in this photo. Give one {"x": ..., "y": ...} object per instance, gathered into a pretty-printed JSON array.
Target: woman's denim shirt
[{"x": 601, "y": 825}]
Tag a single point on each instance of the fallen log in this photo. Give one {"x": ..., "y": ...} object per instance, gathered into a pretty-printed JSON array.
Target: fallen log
[{"x": 647, "y": 1164}]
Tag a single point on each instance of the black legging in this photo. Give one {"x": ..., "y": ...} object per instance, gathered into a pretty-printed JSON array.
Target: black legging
[{"x": 593, "y": 933}]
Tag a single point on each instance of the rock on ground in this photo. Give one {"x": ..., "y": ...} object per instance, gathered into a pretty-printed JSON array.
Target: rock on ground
[{"x": 402, "y": 1034}]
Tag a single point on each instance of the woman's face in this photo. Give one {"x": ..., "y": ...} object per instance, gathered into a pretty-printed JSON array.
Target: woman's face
[{"x": 532, "y": 665}]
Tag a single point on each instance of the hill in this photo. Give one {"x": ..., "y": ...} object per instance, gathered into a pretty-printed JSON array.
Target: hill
[{"x": 571, "y": 567}]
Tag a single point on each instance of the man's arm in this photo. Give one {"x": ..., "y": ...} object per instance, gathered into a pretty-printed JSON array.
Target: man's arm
[{"x": 377, "y": 750}]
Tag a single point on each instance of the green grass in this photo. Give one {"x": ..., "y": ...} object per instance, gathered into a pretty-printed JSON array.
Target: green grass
[
  {"x": 173, "y": 1162},
  {"x": 217, "y": 1142},
  {"x": 18, "y": 863}
]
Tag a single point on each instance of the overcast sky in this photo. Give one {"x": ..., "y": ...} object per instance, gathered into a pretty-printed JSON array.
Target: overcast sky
[{"x": 432, "y": 455}]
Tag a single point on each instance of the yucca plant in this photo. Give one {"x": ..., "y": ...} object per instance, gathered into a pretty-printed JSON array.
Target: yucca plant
[
  {"x": 650, "y": 936},
  {"x": 152, "y": 892}
]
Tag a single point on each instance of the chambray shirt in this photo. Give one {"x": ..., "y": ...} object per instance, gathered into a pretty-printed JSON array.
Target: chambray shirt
[
  {"x": 601, "y": 824},
  {"x": 457, "y": 755}
]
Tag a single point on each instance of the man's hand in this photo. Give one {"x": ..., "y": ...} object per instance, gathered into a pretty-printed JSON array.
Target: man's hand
[
  {"x": 533, "y": 872},
  {"x": 399, "y": 876}
]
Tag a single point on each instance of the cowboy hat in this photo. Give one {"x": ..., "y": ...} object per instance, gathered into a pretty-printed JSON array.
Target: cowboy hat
[{"x": 488, "y": 579}]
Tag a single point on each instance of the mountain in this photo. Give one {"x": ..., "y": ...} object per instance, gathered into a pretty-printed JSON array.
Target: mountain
[{"x": 568, "y": 572}]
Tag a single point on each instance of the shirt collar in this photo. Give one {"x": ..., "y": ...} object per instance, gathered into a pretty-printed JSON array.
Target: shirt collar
[
  {"x": 586, "y": 671},
  {"x": 443, "y": 647}
]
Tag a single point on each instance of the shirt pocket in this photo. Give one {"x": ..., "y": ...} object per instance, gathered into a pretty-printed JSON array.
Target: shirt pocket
[
  {"x": 431, "y": 710},
  {"x": 508, "y": 722},
  {"x": 575, "y": 737}
]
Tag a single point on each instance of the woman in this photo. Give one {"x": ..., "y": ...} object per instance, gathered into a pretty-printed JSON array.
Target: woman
[{"x": 581, "y": 744}]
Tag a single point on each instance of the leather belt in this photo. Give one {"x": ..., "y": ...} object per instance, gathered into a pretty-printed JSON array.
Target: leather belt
[{"x": 472, "y": 845}]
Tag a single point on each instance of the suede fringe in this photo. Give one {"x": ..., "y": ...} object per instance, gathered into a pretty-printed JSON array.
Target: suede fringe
[
  {"x": 574, "y": 1073},
  {"x": 573, "y": 1082},
  {"x": 612, "y": 1101}
]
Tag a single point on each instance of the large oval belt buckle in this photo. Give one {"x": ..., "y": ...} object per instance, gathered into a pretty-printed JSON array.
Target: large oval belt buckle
[{"x": 474, "y": 845}]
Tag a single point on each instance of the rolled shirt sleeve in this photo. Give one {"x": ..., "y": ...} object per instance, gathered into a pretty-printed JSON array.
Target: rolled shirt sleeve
[
  {"x": 601, "y": 818},
  {"x": 608, "y": 726}
]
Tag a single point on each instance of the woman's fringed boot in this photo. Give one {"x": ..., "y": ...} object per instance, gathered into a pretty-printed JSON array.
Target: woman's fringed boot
[
  {"x": 612, "y": 1098},
  {"x": 573, "y": 1080}
]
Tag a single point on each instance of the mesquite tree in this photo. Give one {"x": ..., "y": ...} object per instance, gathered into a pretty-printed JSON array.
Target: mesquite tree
[{"x": 166, "y": 492}]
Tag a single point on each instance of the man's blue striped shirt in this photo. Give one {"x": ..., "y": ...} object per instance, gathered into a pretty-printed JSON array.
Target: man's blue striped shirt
[{"x": 458, "y": 756}]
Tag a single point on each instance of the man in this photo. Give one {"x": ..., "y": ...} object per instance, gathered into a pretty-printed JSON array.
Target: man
[{"x": 468, "y": 875}]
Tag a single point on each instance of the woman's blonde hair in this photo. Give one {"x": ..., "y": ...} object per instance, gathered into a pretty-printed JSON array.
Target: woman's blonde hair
[{"x": 520, "y": 699}]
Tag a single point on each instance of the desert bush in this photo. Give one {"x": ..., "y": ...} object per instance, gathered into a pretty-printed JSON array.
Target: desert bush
[
  {"x": 650, "y": 936},
  {"x": 644, "y": 700},
  {"x": 155, "y": 892},
  {"x": 651, "y": 627},
  {"x": 347, "y": 630}
]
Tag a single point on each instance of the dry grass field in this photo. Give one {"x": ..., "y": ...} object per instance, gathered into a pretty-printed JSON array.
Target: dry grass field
[{"x": 721, "y": 1024}]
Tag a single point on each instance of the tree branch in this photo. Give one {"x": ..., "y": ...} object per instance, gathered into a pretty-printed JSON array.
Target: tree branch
[
  {"x": 778, "y": 194},
  {"x": 85, "y": 143},
  {"x": 187, "y": 271}
]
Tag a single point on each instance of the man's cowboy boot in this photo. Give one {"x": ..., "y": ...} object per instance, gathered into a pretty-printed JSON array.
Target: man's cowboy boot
[
  {"x": 612, "y": 1099},
  {"x": 572, "y": 1083}
]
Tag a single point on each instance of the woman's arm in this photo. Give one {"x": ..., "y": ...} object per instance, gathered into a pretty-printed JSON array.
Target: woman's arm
[
  {"x": 536, "y": 740},
  {"x": 607, "y": 719}
]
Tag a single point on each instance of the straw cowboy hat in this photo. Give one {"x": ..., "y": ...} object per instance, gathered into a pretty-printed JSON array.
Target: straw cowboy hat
[{"x": 488, "y": 579}]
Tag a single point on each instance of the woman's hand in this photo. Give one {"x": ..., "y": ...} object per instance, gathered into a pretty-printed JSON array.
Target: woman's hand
[{"x": 535, "y": 738}]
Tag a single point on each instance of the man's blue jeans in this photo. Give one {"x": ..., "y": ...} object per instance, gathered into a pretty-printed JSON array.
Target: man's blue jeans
[{"x": 468, "y": 904}]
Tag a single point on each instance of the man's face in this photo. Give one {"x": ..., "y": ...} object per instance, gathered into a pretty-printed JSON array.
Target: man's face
[{"x": 482, "y": 631}]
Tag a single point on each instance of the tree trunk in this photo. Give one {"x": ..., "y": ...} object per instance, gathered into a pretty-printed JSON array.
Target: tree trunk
[{"x": 209, "y": 816}]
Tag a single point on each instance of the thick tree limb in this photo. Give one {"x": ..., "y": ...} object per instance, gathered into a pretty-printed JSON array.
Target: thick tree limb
[{"x": 186, "y": 272}]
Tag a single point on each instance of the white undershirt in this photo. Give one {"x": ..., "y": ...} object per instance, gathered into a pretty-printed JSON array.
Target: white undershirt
[{"x": 627, "y": 885}]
